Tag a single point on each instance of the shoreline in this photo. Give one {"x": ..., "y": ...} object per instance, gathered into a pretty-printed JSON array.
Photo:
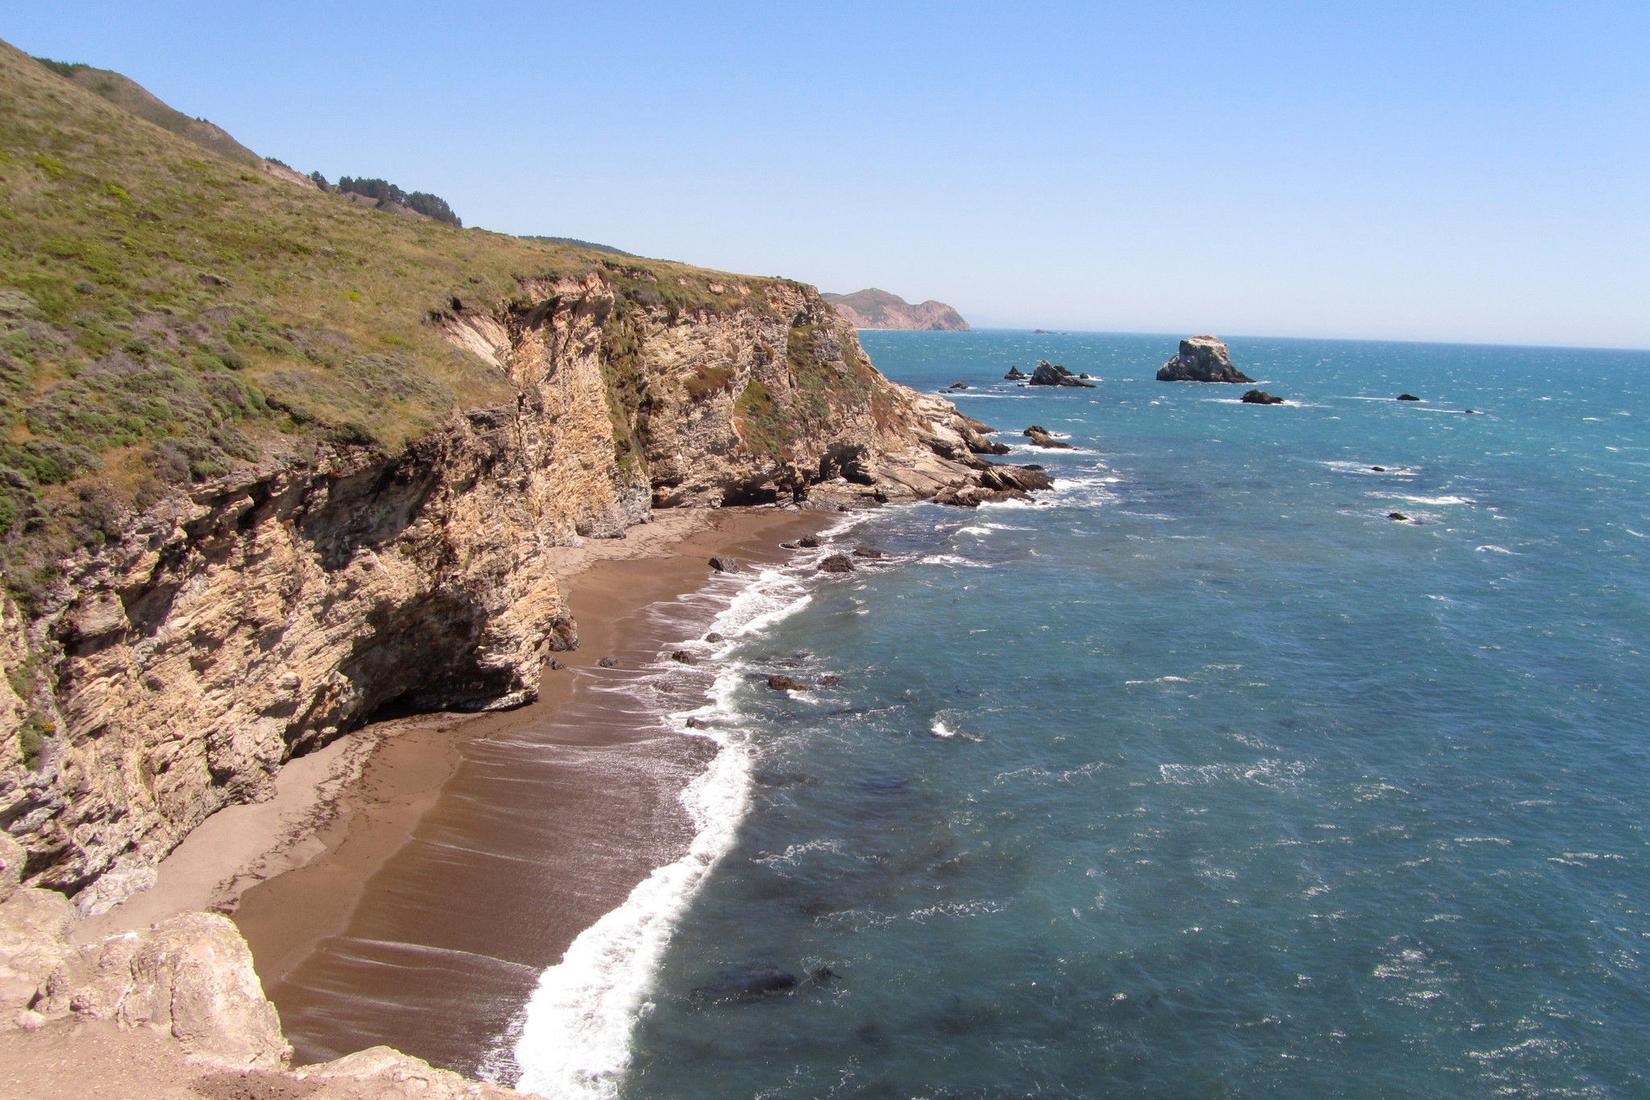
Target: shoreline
[{"x": 386, "y": 823}]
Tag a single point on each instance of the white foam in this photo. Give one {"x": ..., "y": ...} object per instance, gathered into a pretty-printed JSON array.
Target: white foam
[
  {"x": 1491, "y": 548},
  {"x": 1162, "y": 680},
  {"x": 940, "y": 729},
  {"x": 1426, "y": 500},
  {"x": 574, "y": 1034},
  {"x": 1344, "y": 467},
  {"x": 951, "y": 559}
]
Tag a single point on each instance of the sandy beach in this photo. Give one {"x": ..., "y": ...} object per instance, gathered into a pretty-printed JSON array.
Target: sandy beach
[{"x": 430, "y": 868}]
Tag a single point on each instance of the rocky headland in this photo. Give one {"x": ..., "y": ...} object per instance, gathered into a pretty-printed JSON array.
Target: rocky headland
[
  {"x": 1202, "y": 359},
  {"x": 878, "y": 309}
]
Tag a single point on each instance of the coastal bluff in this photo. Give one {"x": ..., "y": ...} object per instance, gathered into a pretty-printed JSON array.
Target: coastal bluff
[
  {"x": 243, "y": 520},
  {"x": 1202, "y": 359}
]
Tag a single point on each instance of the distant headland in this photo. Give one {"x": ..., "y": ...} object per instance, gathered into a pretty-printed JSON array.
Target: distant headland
[{"x": 875, "y": 308}]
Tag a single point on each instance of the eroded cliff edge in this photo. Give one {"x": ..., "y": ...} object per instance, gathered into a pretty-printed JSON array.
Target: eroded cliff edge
[{"x": 223, "y": 631}]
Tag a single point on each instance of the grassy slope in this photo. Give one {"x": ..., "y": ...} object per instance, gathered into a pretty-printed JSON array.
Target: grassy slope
[
  {"x": 127, "y": 94},
  {"x": 166, "y": 314}
]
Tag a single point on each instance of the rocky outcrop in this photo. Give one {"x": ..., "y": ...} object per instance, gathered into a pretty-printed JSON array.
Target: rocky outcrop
[
  {"x": 189, "y": 977},
  {"x": 1407, "y": 397},
  {"x": 175, "y": 668},
  {"x": 1202, "y": 359},
  {"x": 1040, "y": 437},
  {"x": 998, "y": 483},
  {"x": 837, "y": 563},
  {"x": 189, "y": 980},
  {"x": 1052, "y": 374},
  {"x": 875, "y": 308},
  {"x": 1261, "y": 397},
  {"x": 1015, "y": 374}
]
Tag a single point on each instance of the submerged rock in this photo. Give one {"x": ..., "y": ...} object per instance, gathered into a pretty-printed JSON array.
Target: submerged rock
[
  {"x": 608, "y": 662},
  {"x": 780, "y": 682},
  {"x": 807, "y": 542},
  {"x": 713, "y": 638},
  {"x": 1202, "y": 359},
  {"x": 1040, "y": 437},
  {"x": 1052, "y": 374},
  {"x": 683, "y": 657},
  {"x": 1261, "y": 397},
  {"x": 867, "y": 552}
]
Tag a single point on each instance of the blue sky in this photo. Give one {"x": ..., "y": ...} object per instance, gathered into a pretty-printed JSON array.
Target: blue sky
[{"x": 1431, "y": 171}]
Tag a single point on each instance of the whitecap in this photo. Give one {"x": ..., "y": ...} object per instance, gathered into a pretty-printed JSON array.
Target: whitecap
[{"x": 1491, "y": 548}]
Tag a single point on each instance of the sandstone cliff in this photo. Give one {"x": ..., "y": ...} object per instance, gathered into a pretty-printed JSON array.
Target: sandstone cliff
[
  {"x": 174, "y": 669},
  {"x": 875, "y": 308}
]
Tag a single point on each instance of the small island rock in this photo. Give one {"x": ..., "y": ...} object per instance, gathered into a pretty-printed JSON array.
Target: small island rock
[
  {"x": 1408, "y": 397},
  {"x": 1052, "y": 374},
  {"x": 1261, "y": 397},
  {"x": 1015, "y": 374},
  {"x": 1202, "y": 359}
]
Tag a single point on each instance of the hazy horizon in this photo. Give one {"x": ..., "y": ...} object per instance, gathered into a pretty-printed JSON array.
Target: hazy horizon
[{"x": 1466, "y": 175}]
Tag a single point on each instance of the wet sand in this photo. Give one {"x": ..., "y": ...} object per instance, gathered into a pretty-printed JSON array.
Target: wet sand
[{"x": 472, "y": 851}]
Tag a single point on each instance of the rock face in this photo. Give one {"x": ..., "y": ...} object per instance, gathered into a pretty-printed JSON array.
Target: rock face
[
  {"x": 875, "y": 308},
  {"x": 190, "y": 977},
  {"x": 1052, "y": 374},
  {"x": 173, "y": 670},
  {"x": 1261, "y": 397},
  {"x": 1202, "y": 359},
  {"x": 1040, "y": 438}
]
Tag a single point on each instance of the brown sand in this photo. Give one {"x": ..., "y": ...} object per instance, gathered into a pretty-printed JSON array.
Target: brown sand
[{"x": 471, "y": 853}]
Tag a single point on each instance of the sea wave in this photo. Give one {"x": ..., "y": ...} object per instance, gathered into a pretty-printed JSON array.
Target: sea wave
[{"x": 573, "y": 1037}]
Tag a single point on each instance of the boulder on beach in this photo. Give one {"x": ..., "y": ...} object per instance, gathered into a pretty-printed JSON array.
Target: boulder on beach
[
  {"x": 683, "y": 657},
  {"x": 608, "y": 662},
  {"x": 1261, "y": 397},
  {"x": 807, "y": 542},
  {"x": 724, "y": 565},
  {"x": 1052, "y": 374},
  {"x": 1202, "y": 359},
  {"x": 1015, "y": 374},
  {"x": 1040, "y": 437},
  {"x": 837, "y": 563}
]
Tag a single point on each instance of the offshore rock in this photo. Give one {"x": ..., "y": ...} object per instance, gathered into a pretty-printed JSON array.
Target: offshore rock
[
  {"x": 1040, "y": 437},
  {"x": 1052, "y": 374},
  {"x": 1261, "y": 397},
  {"x": 1202, "y": 359},
  {"x": 780, "y": 682},
  {"x": 1015, "y": 374},
  {"x": 837, "y": 563},
  {"x": 1407, "y": 397}
]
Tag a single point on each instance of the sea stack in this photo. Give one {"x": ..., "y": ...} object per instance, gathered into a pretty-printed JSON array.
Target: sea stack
[{"x": 1202, "y": 359}]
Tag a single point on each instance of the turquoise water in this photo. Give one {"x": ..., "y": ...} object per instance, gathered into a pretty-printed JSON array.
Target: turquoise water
[{"x": 1202, "y": 776}]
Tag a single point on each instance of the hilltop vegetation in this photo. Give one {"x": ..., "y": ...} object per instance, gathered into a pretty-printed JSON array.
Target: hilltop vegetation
[{"x": 169, "y": 313}]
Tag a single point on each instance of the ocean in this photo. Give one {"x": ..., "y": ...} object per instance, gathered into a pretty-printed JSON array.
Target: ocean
[{"x": 1197, "y": 776}]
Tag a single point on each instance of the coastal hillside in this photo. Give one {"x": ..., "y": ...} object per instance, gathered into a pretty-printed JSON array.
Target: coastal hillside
[
  {"x": 875, "y": 308},
  {"x": 272, "y": 463}
]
